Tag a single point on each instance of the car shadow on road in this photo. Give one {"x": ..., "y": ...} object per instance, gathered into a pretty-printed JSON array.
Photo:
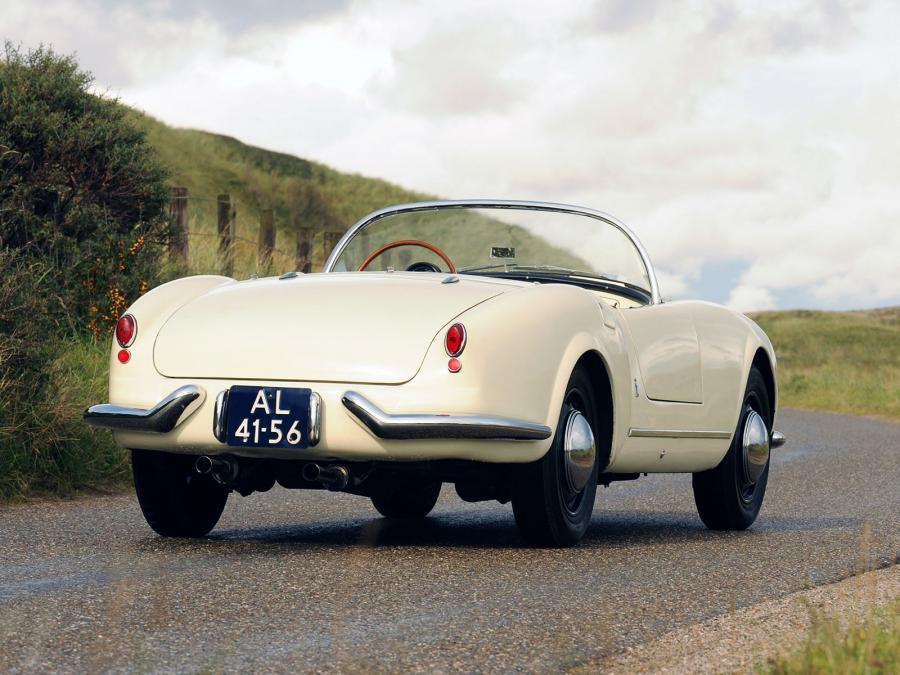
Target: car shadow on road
[{"x": 491, "y": 529}]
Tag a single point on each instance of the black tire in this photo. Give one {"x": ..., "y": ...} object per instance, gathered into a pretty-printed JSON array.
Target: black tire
[
  {"x": 547, "y": 512},
  {"x": 175, "y": 499},
  {"x": 406, "y": 500},
  {"x": 725, "y": 500}
]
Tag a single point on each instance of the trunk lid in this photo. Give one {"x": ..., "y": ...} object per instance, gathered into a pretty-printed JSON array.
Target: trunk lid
[{"x": 345, "y": 327}]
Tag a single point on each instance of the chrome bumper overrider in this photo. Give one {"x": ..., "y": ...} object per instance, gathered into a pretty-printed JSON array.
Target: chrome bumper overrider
[
  {"x": 161, "y": 418},
  {"x": 776, "y": 440},
  {"x": 437, "y": 426}
]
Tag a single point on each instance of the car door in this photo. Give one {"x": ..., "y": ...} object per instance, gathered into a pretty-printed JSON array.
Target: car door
[{"x": 665, "y": 342}]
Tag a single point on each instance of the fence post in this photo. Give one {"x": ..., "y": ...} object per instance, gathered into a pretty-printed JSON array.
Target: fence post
[
  {"x": 363, "y": 238},
  {"x": 226, "y": 226},
  {"x": 329, "y": 241},
  {"x": 304, "y": 249},
  {"x": 266, "y": 239},
  {"x": 178, "y": 234}
]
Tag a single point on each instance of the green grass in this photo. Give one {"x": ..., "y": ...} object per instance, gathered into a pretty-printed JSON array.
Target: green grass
[
  {"x": 52, "y": 452},
  {"x": 867, "y": 647},
  {"x": 209, "y": 164},
  {"x": 845, "y": 362}
]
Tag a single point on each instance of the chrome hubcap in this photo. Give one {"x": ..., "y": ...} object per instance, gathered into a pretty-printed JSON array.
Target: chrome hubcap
[
  {"x": 580, "y": 451},
  {"x": 755, "y": 446}
]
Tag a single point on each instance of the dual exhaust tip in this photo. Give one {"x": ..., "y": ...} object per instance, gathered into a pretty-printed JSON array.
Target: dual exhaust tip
[
  {"x": 334, "y": 477},
  {"x": 224, "y": 470}
]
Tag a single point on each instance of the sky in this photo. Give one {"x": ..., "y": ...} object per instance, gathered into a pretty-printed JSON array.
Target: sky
[{"x": 753, "y": 147}]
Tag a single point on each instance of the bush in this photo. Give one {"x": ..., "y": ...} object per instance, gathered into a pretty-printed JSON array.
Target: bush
[
  {"x": 80, "y": 188},
  {"x": 82, "y": 205},
  {"x": 44, "y": 446},
  {"x": 24, "y": 357}
]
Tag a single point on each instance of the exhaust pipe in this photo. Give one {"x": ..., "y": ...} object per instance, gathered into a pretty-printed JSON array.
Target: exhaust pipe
[
  {"x": 224, "y": 470},
  {"x": 203, "y": 465},
  {"x": 333, "y": 476}
]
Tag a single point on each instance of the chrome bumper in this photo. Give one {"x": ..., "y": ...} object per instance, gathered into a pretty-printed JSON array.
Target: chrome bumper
[
  {"x": 437, "y": 426},
  {"x": 777, "y": 440},
  {"x": 161, "y": 418}
]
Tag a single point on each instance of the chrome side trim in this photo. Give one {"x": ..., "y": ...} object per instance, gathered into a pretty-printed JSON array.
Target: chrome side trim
[
  {"x": 315, "y": 418},
  {"x": 777, "y": 440},
  {"x": 677, "y": 433},
  {"x": 160, "y": 419},
  {"x": 406, "y": 426},
  {"x": 220, "y": 414},
  {"x": 496, "y": 204}
]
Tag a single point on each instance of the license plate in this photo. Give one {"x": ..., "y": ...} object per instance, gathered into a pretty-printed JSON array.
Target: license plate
[{"x": 268, "y": 417}]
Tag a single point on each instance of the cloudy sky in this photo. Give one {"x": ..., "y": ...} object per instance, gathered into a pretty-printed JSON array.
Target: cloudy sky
[{"x": 754, "y": 147}]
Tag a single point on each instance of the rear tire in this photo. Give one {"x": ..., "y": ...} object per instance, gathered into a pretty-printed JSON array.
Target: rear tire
[
  {"x": 725, "y": 498},
  {"x": 406, "y": 500},
  {"x": 548, "y": 511},
  {"x": 175, "y": 499}
]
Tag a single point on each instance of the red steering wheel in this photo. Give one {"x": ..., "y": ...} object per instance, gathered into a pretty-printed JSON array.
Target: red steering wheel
[{"x": 408, "y": 242}]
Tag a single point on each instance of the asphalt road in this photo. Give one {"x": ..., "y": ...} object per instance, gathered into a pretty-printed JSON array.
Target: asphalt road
[{"x": 309, "y": 580}]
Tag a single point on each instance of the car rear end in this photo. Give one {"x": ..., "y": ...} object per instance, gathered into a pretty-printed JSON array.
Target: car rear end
[{"x": 321, "y": 367}]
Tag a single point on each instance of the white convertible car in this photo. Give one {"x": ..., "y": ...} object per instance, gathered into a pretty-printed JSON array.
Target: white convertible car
[{"x": 519, "y": 350}]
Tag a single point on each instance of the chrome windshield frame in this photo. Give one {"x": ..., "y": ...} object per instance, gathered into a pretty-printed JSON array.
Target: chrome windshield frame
[{"x": 511, "y": 204}]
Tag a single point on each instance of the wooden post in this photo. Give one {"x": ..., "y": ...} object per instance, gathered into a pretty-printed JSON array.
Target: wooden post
[
  {"x": 178, "y": 233},
  {"x": 363, "y": 239},
  {"x": 266, "y": 239},
  {"x": 226, "y": 226},
  {"x": 329, "y": 241},
  {"x": 304, "y": 249},
  {"x": 404, "y": 256}
]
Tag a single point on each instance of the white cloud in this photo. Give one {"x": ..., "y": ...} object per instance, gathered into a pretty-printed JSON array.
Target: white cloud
[
  {"x": 763, "y": 133},
  {"x": 751, "y": 299}
]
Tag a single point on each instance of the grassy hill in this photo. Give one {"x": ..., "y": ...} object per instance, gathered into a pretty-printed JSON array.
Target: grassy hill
[
  {"x": 301, "y": 193},
  {"x": 210, "y": 164},
  {"x": 840, "y": 361}
]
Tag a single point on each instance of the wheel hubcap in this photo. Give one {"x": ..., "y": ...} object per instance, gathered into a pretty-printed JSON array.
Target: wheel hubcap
[
  {"x": 580, "y": 451},
  {"x": 755, "y": 447}
]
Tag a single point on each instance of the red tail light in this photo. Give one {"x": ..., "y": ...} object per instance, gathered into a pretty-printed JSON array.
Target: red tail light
[
  {"x": 126, "y": 330},
  {"x": 455, "y": 341}
]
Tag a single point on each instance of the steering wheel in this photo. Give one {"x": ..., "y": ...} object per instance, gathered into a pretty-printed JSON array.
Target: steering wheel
[{"x": 408, "y": 242}]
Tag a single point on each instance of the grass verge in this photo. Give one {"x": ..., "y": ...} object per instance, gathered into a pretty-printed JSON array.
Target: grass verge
[
  {"x": 52, "y": 452},
  {"x": 871, "y": 646}
]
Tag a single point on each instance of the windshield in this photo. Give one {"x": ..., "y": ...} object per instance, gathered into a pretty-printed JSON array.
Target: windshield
[{"x": 502, "y": 241}]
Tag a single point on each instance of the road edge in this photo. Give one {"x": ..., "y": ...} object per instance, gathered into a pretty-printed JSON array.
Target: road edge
[{"x": 738, "y": 641}]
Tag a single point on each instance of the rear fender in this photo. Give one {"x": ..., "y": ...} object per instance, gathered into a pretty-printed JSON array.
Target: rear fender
[
  {"x": 151, "y": 311},
  {"x": 520, "y": 352}
]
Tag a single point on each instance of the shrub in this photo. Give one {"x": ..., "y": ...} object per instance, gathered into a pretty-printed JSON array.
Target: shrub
[
  {"x": 80, "y": 188},
  {"x": 24, "y": 356},
  {"x": 82, "y": 201},
  {"x": 45, "y": 381}
]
